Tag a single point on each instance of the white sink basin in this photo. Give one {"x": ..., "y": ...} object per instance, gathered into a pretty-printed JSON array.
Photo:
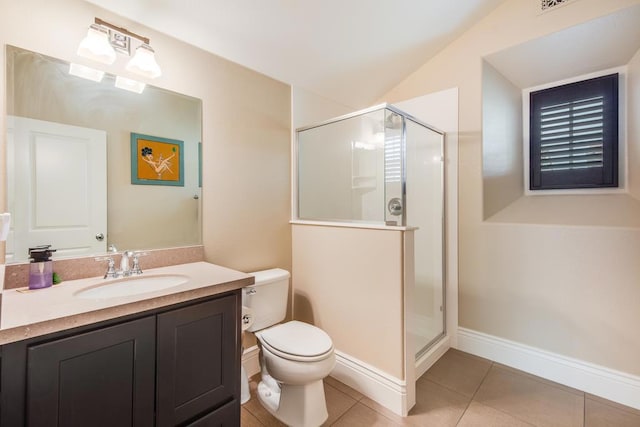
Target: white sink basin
[{"x": 132, "y": 286}]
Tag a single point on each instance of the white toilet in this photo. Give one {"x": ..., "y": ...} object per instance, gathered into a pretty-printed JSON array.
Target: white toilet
[{"x": 295, "y": 357}]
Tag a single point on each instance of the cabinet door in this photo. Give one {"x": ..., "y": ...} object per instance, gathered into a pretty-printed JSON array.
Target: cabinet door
[
  {"x": 198, "y": 367},
  {"x": 226, "y": 416},
  {"x": 99, "y": 378}
]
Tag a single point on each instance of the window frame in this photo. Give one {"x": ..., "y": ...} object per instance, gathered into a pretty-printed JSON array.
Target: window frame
[{"x": 622, "y": 137}]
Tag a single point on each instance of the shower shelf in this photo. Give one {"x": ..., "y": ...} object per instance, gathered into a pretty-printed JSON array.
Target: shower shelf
[{"x": 363, "y": 182}]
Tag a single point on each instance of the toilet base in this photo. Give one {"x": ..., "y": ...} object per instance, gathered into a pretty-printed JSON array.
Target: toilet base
[
  {"x": 245, "y": 394},
  {"x": 295, "y": 405}
]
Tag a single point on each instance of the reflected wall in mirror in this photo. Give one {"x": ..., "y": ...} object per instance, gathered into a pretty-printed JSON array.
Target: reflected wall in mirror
[{"x": 69, "y": 162}]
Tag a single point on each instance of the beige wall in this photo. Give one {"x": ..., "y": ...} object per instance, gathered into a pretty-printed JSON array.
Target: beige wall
[
  {"x": 246, "y": 128},
  {"x": 502, "y": 165},
  {"x": 568, "y": 289},
  {"x": 310, "y": 109},
  {"x": 349, "y": 282},
  {"x": 633, "y": 131}
]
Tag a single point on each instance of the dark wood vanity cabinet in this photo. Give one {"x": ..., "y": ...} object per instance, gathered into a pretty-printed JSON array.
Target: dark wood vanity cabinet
[
  {"x": 203, "y": 337},
  {"x": 175, "y": 366}
]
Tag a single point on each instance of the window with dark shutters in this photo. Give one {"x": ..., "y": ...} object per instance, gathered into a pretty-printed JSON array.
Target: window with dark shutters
[{"x": 574, "y": 135}]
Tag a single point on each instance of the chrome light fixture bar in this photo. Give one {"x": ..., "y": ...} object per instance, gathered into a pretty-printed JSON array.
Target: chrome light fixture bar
[{"x": 103, "y": 40}]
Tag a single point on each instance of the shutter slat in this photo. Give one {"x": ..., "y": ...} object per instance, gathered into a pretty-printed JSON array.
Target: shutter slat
[
  {"x": 586, "y": 133},
  {"x": 588, "y": 126},
  {"x": 588, "y": 115},
  {"x": 568, "y": 154},
  {"x": 577, "y": 149},
  {"x": 568, "y": 163},
  {"x": 583, "y": 163},
  {"x": 555, "y": 114},
  {"x": 592, "y": 158},
  {"x": 567, "y": 118},
  {"x": 555, "y": 130},
  {"x": 564, "y": 147},
  {"x": 569, "y": 167},
  {"x": 565, "y": 141}
]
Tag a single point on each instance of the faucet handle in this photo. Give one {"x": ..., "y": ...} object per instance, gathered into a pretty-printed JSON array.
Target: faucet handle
[
  {"x": 111, "y": 266},
  {"x": 135, "y": 269}
]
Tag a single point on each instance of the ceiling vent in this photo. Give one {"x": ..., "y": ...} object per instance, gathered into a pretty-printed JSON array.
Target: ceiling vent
[{"x": 549, "y": 4}]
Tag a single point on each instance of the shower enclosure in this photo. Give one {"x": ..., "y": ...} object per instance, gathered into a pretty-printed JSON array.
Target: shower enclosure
[{"x": 381, "y": 167}]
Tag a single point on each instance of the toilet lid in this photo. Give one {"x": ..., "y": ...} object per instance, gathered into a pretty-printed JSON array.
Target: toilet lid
[{"x": 297, "y": 339}]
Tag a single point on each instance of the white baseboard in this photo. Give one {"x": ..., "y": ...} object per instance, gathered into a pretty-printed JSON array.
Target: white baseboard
[
  {"x": 595, "y": 379},
  {"x": 379, "y": 386},
  {"x": 251, "y": 360},
  {"x": 429, "y": 358}
]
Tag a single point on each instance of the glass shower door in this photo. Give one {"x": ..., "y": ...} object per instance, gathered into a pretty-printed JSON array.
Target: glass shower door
[{"x": 425, "y": 210}]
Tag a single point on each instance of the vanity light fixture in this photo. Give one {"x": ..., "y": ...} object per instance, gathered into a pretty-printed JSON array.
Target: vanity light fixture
[
  {"x": 103, "y": 40},
  {"x": 144, "y": 62},
  {"x": 96, "y": 45}
]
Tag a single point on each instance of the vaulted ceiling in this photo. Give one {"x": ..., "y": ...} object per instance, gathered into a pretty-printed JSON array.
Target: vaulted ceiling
[{"x": 349, "y": 51}]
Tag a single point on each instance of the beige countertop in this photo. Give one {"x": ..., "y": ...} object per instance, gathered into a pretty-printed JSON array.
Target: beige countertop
[{"x": 39, "y": 312}]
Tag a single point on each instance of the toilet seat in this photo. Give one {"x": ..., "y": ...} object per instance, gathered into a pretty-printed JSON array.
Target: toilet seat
[{"x": 297, "y": 341}]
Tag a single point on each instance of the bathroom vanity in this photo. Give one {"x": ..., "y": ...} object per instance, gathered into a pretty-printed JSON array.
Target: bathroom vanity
[{"x": 161, "y": 358}]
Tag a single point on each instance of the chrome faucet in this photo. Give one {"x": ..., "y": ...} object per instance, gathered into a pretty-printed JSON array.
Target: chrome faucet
[{"x": 125, "y": 268}]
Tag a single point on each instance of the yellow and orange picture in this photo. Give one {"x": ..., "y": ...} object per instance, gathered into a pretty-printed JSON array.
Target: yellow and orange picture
[{"x": 157, "y": 161}]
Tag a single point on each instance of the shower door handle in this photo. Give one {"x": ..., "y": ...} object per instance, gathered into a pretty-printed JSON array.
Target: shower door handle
[{"x": 395, "y": 206}]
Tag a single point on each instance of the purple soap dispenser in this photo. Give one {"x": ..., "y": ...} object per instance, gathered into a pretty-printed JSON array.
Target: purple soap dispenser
[{"x": 41, "y": 267}]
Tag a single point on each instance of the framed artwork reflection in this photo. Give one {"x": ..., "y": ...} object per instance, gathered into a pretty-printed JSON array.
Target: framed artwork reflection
[{"x": 156, "y": 160}]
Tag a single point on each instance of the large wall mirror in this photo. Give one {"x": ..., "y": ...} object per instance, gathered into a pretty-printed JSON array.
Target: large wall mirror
[{"x": 70, "y": 156}]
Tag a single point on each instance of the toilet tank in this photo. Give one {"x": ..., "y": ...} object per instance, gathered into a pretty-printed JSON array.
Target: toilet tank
[{"x": 267, "y": 298}]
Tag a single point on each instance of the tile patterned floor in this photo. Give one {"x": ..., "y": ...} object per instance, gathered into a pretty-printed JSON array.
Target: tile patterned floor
[{"x": 467, "y": 391}]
